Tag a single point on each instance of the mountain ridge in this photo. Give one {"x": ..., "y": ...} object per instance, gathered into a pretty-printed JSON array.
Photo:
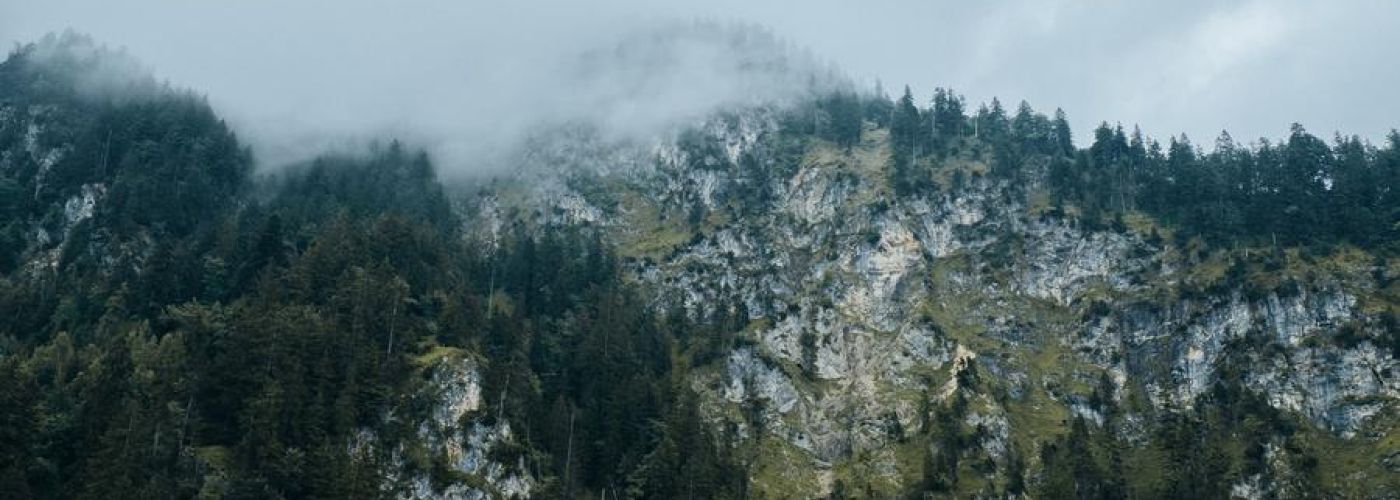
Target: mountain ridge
[{"x": 847, "y": 296}]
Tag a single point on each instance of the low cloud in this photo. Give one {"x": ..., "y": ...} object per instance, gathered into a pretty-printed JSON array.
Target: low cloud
[
  {"x": 467, "y": 77},
  {"x": 95, "y": 71},
  {"x": 470, "y": 89}
]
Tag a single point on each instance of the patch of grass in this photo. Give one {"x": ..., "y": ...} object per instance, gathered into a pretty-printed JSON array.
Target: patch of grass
[
  {"x": 657, "y": 243},
  {"x": 872, "y": 156},
  {"x": 218, "y": 458},
  {"x": 1146, "y": 467},
  {"x": 909, "y": 457},
  {"x": 873, "y": 473},
  {"x": 945, "y": 171},
  {"x": 757, "y": 326},
  {"x": 950, "y": 313},
  {"x": 435, "y": 353},
  {"x": 1038, "y": 202},
  {"x": 1143, "y": 224},
  {"x": 1353, "y": 468},
  {"x": 1037, "y": 417},
  {"x": 1208, "y": 272},
  {"x": 647, "y": 233},
  {"x": 714, "y": 221},
  {"x": 866, "y": 163},
  {"x": 781, "y": 470}
]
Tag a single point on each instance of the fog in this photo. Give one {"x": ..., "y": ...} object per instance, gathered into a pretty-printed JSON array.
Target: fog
[
  {"x": 114, "y": 75},
  {"x": 466, "y": 79}
]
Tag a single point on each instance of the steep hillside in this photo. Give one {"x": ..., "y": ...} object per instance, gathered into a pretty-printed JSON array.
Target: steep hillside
[
  {"x": 978, "y": 337},
  {"x": 838, "y": 295},
  {"x": 174, "y": 328}
]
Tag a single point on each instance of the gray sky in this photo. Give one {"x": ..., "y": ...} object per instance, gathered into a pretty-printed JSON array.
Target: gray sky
[{"x": 452, "y": 74}]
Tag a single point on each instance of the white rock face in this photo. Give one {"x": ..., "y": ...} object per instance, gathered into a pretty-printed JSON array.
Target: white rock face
[
  {"x": 1340, "y": 389},
  {"x": 45, "y": 158},
  {"x": 1060, "y": 261},
  {"x": 936, "y": 225},
  {"x": 576, "y": 210},
  {"x": 752, "y": 379},
  {"x": 856, "y": 292},
  {"x": 79, "y": 208},
  {"x": 1334, "y": 387},
  {"x": 996, "y": 429},
  {"x": 33, "y": 121},
  {"x": 1293, "y": 319},
  {"x": 452, "y": 431},
  {"x": 882, "y": 269},
  {"x": 812, "y": 197}
]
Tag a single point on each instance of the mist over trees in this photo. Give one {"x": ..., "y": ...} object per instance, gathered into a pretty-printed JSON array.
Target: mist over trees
[
  {"x": 271, "y": 321},
  {"x": 206, "y": 331}
]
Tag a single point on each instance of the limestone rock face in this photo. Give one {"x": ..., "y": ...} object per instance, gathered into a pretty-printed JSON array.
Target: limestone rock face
[
  {"x": 455, "y": 431},
  {"x": 869, "y": 313}
]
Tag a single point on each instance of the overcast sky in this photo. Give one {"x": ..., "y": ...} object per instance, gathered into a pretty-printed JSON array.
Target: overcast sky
[{"x": 348, "y": 67}]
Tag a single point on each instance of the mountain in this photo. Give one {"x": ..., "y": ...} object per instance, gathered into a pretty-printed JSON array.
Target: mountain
[{"x": 838, "y": 295}]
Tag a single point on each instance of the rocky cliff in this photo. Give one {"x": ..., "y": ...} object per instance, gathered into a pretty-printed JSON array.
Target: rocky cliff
[{"x": 871, "y": 317}]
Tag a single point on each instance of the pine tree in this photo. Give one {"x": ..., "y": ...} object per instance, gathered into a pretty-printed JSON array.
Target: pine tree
[
  {"x": 1064, "y": 138},
  {"x": 905, "y": 139}
]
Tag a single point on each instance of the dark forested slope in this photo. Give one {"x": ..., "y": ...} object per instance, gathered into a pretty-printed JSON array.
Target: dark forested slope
[{"x": 167, "y": 334}]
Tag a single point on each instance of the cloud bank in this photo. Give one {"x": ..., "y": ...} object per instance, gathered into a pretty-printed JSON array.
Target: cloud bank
[
  {"x": 464, "y": 77},
  {"x": 464, "y": 83}
]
